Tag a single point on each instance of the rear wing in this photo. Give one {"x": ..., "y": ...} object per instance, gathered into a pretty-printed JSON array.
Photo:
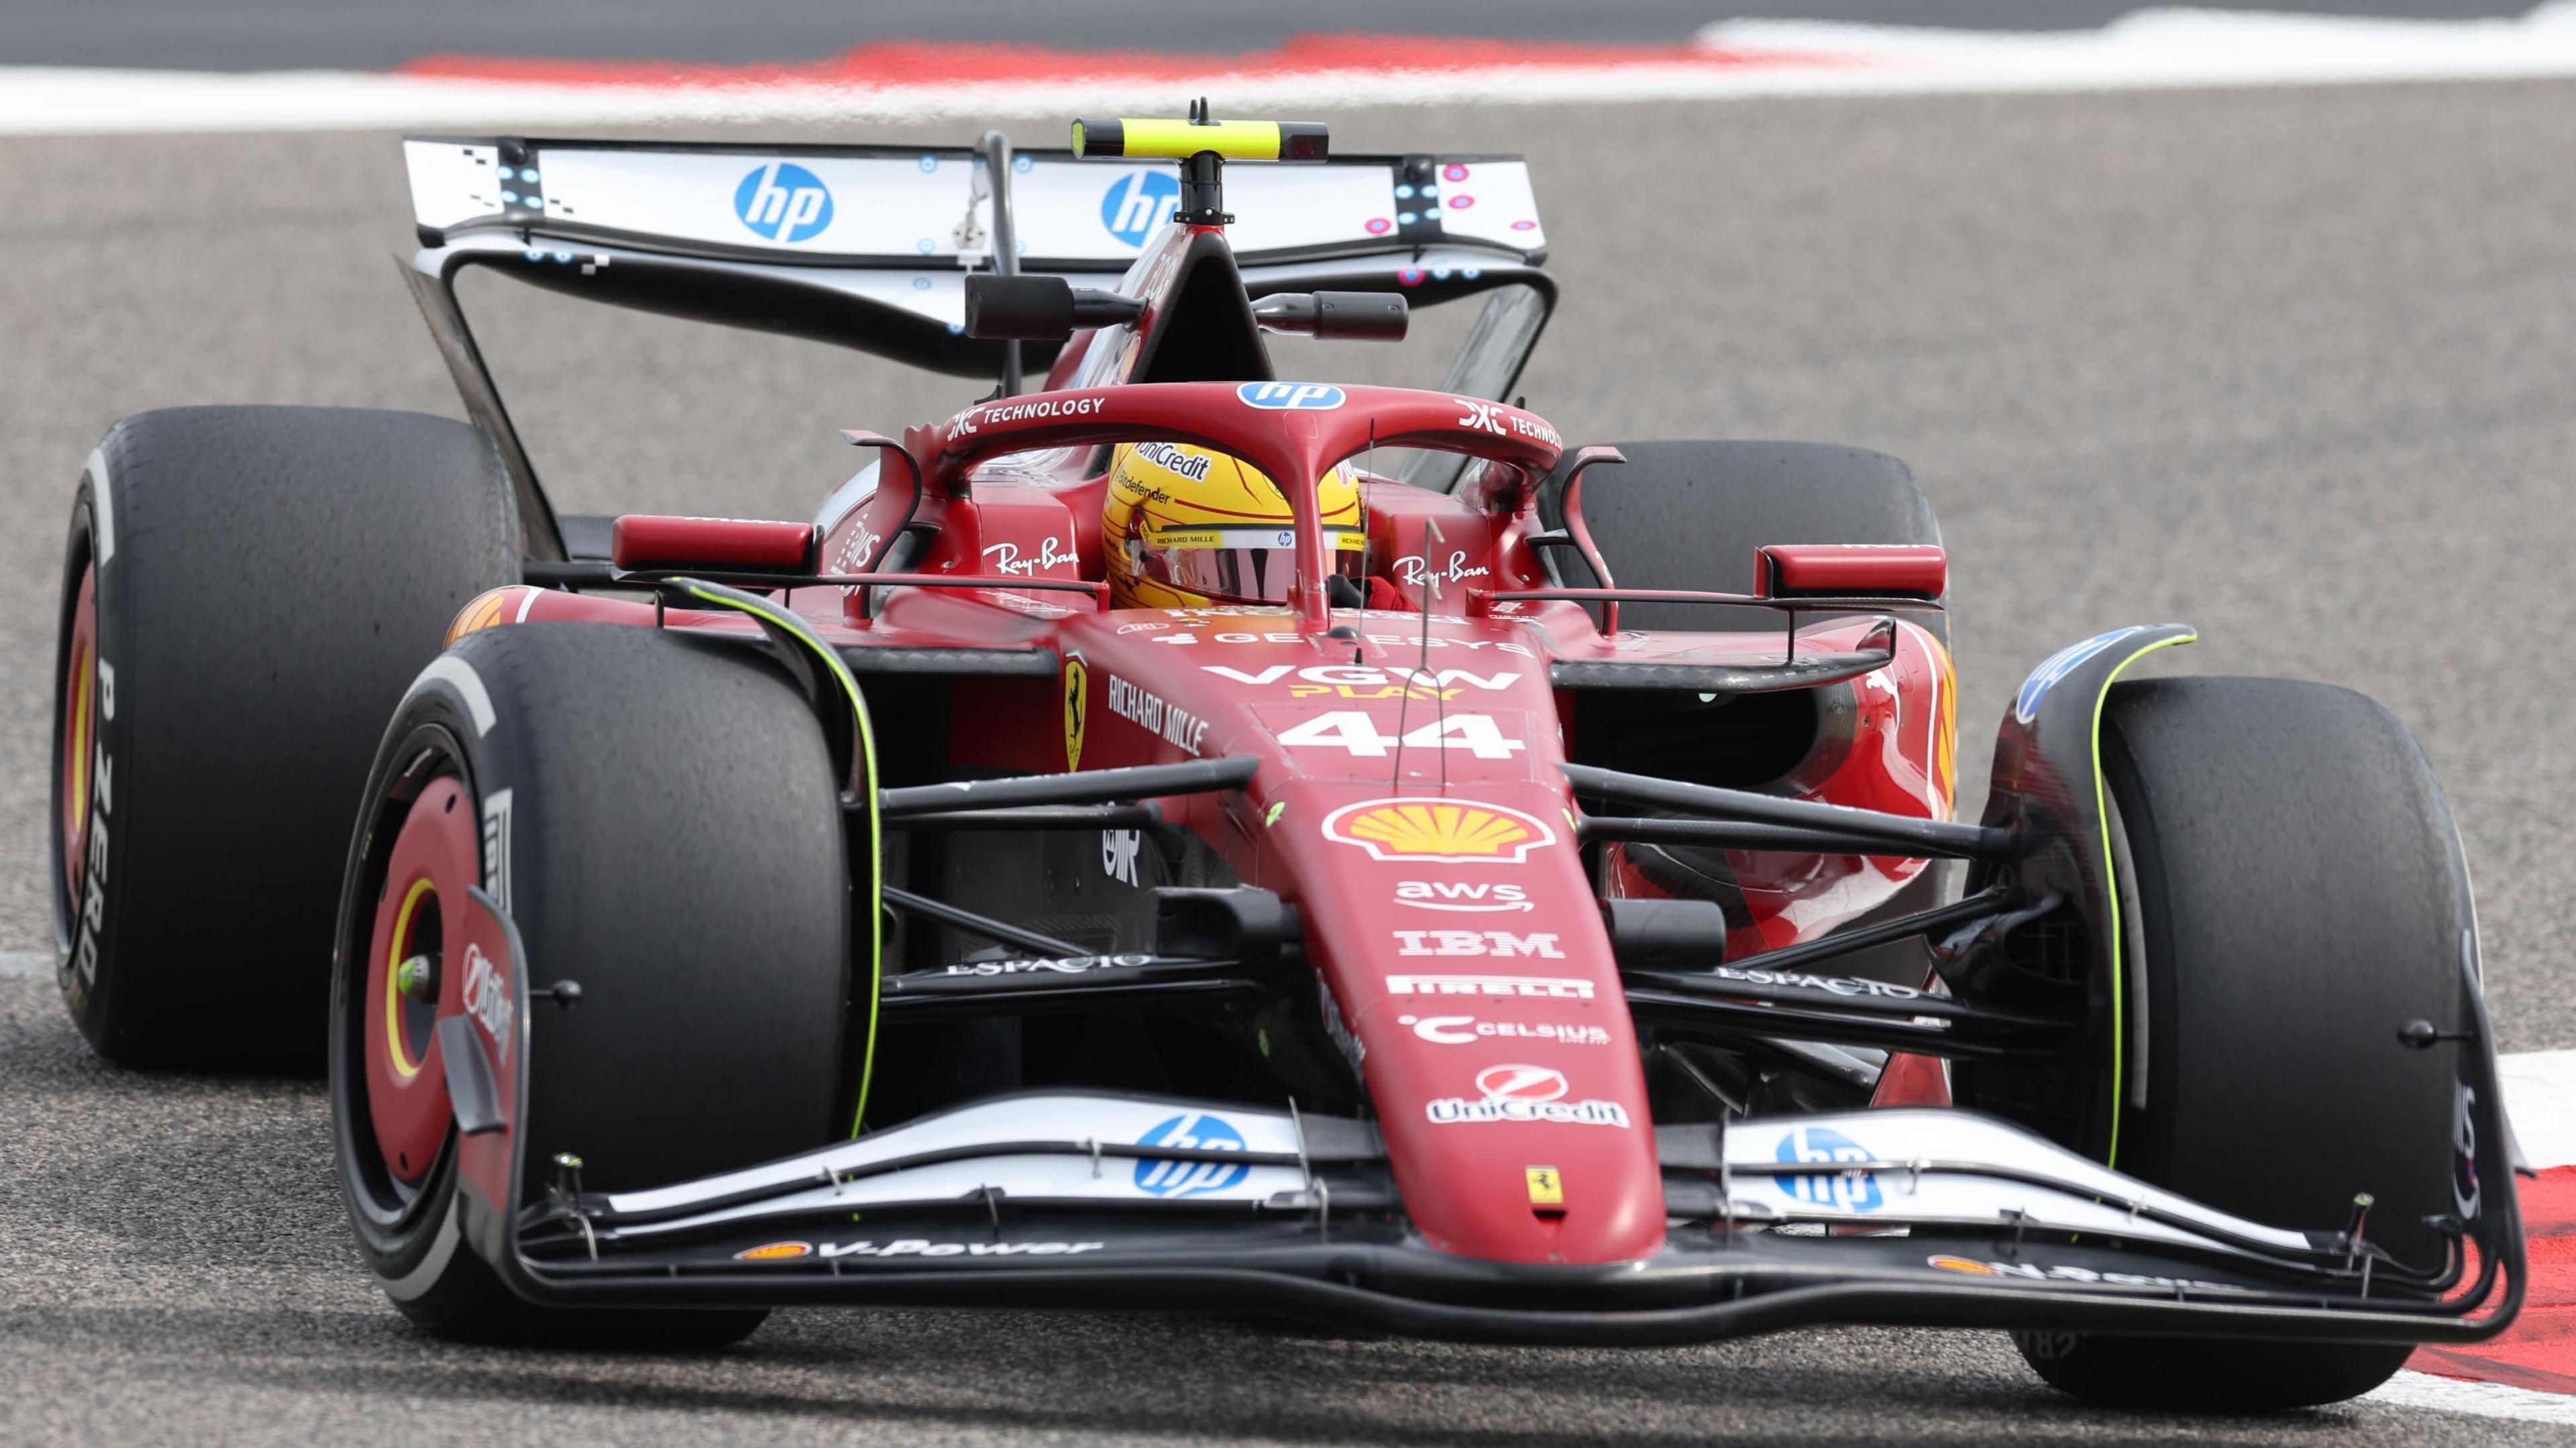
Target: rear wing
[
  {"x": 909, "y": 208},
  {"x": 869, "y": 247}
]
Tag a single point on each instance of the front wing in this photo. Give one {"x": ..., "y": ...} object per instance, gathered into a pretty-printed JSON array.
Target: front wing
[{"x": 1093, "y": 1200}]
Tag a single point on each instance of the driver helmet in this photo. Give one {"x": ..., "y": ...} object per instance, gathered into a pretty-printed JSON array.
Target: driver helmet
[{"x": 1187, "y": 528}]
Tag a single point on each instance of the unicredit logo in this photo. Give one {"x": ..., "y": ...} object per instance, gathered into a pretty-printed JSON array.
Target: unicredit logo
[
  {"x": 1523, "y": 1093},
  {"x": 1520, "y": 1083}
]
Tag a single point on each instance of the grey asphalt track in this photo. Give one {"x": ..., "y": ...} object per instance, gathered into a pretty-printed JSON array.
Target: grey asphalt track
[{"x": 2296, "y": 365}]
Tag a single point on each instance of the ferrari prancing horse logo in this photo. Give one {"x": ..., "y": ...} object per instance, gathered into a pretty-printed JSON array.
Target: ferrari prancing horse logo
[{"x": 1077, "y": 684}]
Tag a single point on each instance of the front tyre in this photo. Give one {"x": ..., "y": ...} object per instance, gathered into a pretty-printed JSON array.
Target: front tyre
[
  {"x": 2298, "y": 893},
  {"x": 659, "y": 815}
]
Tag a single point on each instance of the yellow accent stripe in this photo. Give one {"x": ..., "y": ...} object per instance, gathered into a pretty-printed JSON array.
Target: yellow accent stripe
[
  {"x": 1177, "y": 140},
  {"x": 86, "y": 668},
  {"x": 763, "y": 608},
  {"x": 2111, "y": 886},
  {"x": 404, "y": 1065}
]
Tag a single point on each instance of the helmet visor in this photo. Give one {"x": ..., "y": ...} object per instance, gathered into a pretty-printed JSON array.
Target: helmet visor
[{"x": 1238, "y": 565}]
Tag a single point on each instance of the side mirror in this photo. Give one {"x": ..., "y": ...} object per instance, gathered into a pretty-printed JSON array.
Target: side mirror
[
  {"x": 1850, "y": 570},
  {"x": 1334, "y": 316},
  {"x": 742, "y": 545},
  {"x": 1040, "y": 308}
]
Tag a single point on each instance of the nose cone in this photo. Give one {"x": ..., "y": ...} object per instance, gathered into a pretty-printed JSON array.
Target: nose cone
[{"x": 1471, "y": 976}]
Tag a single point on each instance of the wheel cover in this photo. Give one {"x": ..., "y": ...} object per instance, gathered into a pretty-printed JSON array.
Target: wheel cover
[
  {"x": 79, "y": 694},
  {"x": 435, "y": 858}
]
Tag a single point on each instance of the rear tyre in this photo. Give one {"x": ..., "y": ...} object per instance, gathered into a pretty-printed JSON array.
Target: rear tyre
[
  {"x": 2299, "y": 894},
  {"x": 246, "y": 592},
  {"x": 1689, "y": 515},
  {"x": 659, "y": 816}
]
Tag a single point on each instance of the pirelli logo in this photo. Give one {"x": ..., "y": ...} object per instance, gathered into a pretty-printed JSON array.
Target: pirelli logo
[
  {"x": 496, "y": 848},
  {"x": 1502, "y": 986}
]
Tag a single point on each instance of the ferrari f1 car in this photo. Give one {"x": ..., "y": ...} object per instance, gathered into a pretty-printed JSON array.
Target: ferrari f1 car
[{"x": 1174, "y": 835}]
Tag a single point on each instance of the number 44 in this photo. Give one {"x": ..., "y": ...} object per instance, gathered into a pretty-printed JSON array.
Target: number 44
[{"x": 1357, "y": 732}]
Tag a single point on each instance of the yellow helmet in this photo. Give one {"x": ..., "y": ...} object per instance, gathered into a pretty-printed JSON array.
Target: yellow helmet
[{"x": 1186, "y": 527}]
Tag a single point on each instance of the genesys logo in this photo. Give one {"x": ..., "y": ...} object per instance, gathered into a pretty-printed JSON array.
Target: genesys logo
[
  {"x": 1468, "y": 897},
  {"x": 1290, "y": 396},
  {"x": 1522, "y": 1093},
  {"x": 1851, "y": 1191},
  {"x": 784, "y": 202},
  {"x": 1499, "y": 987},
  {"x": 1397, "y": 831},
  {"x": 1137, "y": 202},
  {"x": 912, "y": 1247},
  {"x": 1469, "y": 1030},
  {"x": 1191, "y": 1131}
]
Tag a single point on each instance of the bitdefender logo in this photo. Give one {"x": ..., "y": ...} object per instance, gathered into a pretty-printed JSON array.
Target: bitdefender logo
[
  {"x": 1137, "y": 202},
  {"x": 783, "y": 202}
]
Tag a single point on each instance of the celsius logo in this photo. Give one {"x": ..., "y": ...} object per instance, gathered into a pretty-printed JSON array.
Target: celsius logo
[
  {"x": 1136, "y": 201},
  {"x": 1853, "y": 1191},
  {"x": 1290, "y": 396},
  {"x": 783, "y": 202},
  {"x": 1196, "y": 1131}
]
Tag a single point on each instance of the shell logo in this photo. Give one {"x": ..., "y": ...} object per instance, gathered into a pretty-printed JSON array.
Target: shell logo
[
  {"x": 1963, "y": 1264},
  {"x": 775, "y": 1252},
  {"x": 1438, "y": 829},
  {"x": 485, "y": 611}
]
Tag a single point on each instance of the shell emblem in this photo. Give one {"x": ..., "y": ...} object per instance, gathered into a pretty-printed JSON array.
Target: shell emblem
[
  {"x": 487, "y": 610},
  {"x": 1438, "y": 829},
  {"x": 775, "y": 1252}
]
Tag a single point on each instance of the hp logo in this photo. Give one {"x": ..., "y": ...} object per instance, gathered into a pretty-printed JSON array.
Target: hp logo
[
  {"x": 784, "y": 202},
  {"x": 1191, "y": 1178},
  {"x": 1853, "y": 1191},
  {"x": 1136, "y": 202},
  {"x": 1290, "y": 396}
]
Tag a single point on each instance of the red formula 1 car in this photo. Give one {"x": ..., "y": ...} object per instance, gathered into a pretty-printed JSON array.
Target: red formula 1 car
[{"x": 1174, "y": 835}]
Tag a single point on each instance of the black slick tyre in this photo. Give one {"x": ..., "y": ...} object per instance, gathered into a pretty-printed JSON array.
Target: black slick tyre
[
  {"x": 247, "y": 591},
  {"x": 2299, "y": 894},
  {"x": 659, "y": 815},
  {"x": 1689, "y": 515}
]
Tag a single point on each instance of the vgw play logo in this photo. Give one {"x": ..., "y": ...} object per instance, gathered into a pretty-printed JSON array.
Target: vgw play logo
[
  {"x": 784, "y": 202},
  {"x": 1137, "y": 202}
]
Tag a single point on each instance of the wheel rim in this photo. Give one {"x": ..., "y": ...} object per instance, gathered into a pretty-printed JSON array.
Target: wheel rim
[
  {"x": 79, "y": 694},
  {"x": 434, "y": 858}
]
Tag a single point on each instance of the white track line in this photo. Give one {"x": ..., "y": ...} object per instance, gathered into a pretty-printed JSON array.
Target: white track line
[
  {"x": 26, "y": 965},
  {"x": 1733, "y": 59},
  {"x": 2486, "y": 1400}
]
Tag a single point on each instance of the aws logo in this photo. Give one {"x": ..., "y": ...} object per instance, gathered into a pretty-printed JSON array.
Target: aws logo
[
  {"x": 1138, "y": 201},
  {"x": 784, "y": 202}
]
